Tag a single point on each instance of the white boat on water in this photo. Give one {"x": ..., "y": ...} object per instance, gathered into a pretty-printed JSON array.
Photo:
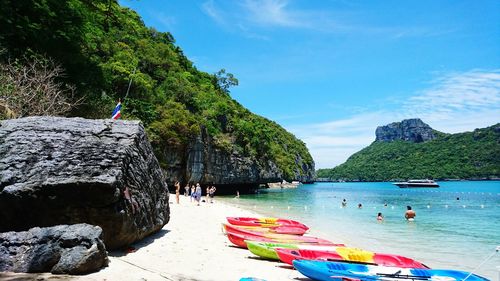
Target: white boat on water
[{"x": 417, "y": 183}]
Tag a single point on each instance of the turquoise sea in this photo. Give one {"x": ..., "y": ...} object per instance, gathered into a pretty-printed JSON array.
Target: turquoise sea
[{"x": 457, "y": 225}]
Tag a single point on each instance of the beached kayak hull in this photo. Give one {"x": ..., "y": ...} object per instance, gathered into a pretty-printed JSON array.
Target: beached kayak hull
[
  {"x": 265, "y": 222},
  {"x": 348, "y": 254},
  {"x": 238, "y": 239},
  {"x": 291, "y": 230},
  {"x": 338, "y": 271},
  {"x": 267, "y": 250}
]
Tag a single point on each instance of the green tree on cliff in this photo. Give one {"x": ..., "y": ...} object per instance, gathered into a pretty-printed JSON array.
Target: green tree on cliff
[{"x": 100, "y": 43}]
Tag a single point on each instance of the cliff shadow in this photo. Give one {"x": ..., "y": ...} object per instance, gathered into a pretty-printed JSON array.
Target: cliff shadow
[{"x": 231, "y": 189}]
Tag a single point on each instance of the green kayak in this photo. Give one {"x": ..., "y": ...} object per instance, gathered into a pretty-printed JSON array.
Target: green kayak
[{"x": 266, "y": 249}]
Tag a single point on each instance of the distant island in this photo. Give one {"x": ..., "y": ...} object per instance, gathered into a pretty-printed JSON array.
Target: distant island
[{"x": 411, "y": 149}]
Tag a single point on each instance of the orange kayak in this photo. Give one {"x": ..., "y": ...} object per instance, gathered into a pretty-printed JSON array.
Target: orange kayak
[{"x": 257, "y": 229}]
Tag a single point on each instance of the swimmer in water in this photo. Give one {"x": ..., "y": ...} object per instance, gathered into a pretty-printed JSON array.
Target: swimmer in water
[{"x": 410, "y": 214}]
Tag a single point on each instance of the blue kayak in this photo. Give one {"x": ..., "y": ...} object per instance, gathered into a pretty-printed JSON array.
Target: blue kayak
[{"x": 340, "y": 271}]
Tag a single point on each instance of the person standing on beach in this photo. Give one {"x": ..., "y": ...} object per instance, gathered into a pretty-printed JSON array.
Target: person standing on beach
[
  {"x": 208, "y": 193},
  {"x": 410, "y": 214},
  {"x": 192, "y": 193},
  {"x": 186, "y": 190},
  {"x": 212, "y": 194},
  {"x": 177, "y": 191},
  {"x": 197, "y": 193}
]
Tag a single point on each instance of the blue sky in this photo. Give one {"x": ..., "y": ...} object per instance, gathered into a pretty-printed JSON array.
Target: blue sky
[{"x": 331, "y": 71}]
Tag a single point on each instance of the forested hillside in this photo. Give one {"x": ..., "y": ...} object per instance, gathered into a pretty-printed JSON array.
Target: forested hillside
[
  {"x": 97, "y": 47},
  {"x": 470, "y": 155}
]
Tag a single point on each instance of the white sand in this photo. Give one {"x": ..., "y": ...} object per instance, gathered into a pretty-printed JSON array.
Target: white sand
[{"x": 190, "y": 247}]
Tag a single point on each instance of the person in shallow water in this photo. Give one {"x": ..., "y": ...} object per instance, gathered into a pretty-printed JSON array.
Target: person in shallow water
[
  {"x": 410, "y": 214},
  {"x": 344, "y": 203},
  {"x": 380, "y": 217}
]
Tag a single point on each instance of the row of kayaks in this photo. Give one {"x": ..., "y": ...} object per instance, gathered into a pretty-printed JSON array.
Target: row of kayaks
[{"x": 320, "y": 259}]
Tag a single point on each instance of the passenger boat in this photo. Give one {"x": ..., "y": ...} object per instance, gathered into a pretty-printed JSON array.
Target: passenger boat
[{"x": 416, "y": 183}]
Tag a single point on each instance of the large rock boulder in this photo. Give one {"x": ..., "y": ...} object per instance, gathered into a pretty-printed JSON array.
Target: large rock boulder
[
  {"x": 69, "y": 249},
  {"x": 73, "y": 170},
  {"x": 413, "y": 130}
]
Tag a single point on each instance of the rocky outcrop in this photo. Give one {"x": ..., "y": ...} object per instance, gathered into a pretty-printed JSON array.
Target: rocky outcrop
[
  {"x": 69, "y": 249},
  {"x": 413, "y": 130},
  {"x": 73, "y": 170},
  {"x": 204, "y": 162}
]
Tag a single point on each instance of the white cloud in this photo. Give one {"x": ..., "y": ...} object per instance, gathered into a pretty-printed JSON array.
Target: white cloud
[
  {"x": 453, "y": 103},
  {"x": 212, "y": 11},
  {"x": 460, "y": 91},
  {"x": 249, "y": 17},
  {"x": 167, "y": 22},
  {"x": 273, "y": 12}
]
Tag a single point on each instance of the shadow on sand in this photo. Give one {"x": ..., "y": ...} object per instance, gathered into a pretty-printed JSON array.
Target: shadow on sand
[
  {"x": 139, "y": 244},
  {"x": 11, "y": 276}
]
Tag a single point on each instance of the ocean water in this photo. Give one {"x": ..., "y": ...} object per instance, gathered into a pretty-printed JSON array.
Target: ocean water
[{"x": 457, "y": 225}]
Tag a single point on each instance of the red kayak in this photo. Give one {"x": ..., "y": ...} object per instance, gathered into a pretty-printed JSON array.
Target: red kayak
[
  {"x": 348, "y": 254},
  {"x": 259, "y": 230},
  {"x": 238, "y": 239},
  {"x": 265, "y": 222}
]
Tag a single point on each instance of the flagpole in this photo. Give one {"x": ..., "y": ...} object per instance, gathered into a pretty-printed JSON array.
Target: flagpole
[
  {"x": 116, "y": 112},
  {"x": 129, "y": 84}
]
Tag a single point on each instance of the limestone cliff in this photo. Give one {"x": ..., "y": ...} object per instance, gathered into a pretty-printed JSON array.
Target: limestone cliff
[
  {"x": 202, "y": 161},
  {"x": 413, "y": 130}
]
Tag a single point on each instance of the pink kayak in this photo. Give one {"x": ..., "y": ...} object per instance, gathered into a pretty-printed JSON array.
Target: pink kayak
[
  {"x": 238, "y": 239},
  {"x": 265, "y": 222},
  {"x": 347, "y": 254}
]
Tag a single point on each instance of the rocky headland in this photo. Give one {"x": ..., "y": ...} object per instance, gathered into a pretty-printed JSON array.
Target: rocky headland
[
  {"x": 412, "y": 130},
  {"x": 411, "y": 149}
]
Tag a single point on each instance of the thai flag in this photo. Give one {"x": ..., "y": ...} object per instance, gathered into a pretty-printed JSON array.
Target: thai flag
[{"x": 116, "y": 112}]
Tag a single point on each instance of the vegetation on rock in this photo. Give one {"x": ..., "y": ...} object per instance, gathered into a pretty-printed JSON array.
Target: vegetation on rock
[
  {"x": 469, "y": 155},
  {"x": 101, "y": 46}
]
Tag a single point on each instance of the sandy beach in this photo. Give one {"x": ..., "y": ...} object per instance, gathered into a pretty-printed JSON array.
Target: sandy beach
[{"x": 190, "y": 247}]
